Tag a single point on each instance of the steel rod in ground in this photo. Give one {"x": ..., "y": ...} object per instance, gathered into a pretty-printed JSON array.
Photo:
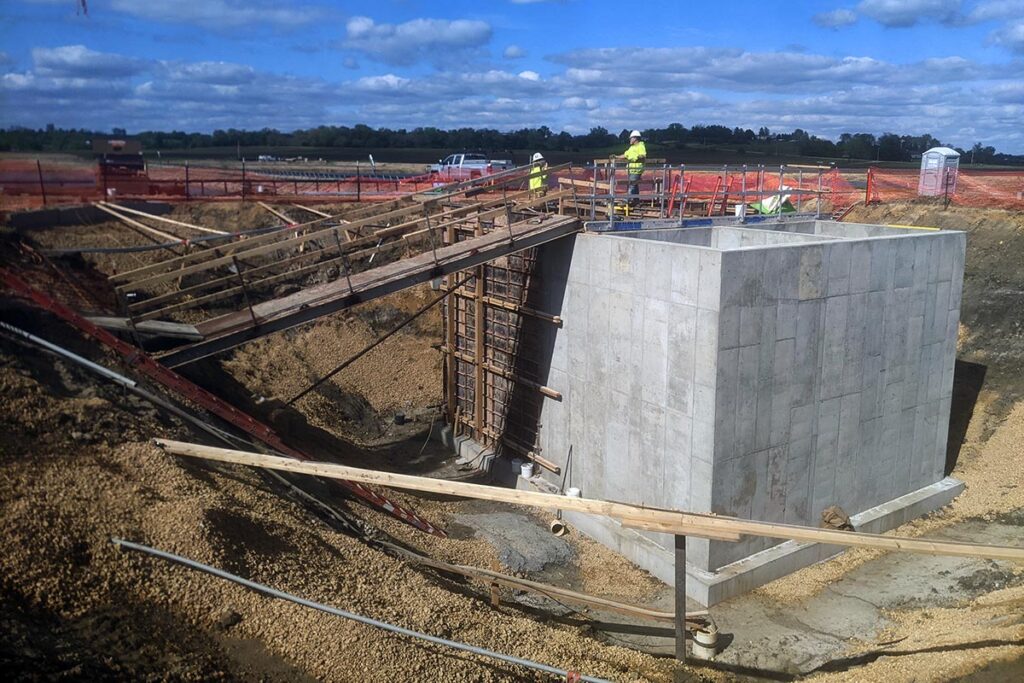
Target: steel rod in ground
[{"x": 273, "y": 592}]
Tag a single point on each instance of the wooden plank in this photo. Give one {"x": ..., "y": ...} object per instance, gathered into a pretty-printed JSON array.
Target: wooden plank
[
  {"x": 137, "y": 225},
  {"x": 228, "y": 280},
  {"x": 585, "y": 184},
  {"x": 311, "y": 303},
  {"x": 478, "y": 491},
  {"x": 355, "y": 222},
  {"x": 313, "y": 211},
  {"x": 510, "y": 376},
  {"x": 686, "y": 523},
  {"x": 164, "y": 219},
  {"x": 159, "y": 328},
  {"x": 248, "y": 252},
  {"x": 525, "y": 310},
  {"x": 280, "y": 214}
]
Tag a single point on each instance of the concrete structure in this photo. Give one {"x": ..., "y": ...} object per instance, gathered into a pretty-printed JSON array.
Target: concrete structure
[{"x": 765, "y": 372}]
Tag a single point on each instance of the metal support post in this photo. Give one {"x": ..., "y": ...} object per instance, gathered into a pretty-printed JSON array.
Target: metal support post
[
  {"x": 743, "y": 196},
  {"x": 680, "y": 597},
  {"x": 42, "y": 185},
  {"x": 800, "y": 189},
  {"x": 817, "y": 210}
]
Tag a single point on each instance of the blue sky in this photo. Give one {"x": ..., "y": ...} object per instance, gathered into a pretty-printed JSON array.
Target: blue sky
[{"x": 952, "y": 68}]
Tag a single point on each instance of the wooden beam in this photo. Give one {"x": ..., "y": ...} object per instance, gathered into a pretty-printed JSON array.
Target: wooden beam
[
  {"x": 432, "y": 196},
  {"x": 313, "y": 211},
  {"x": 248, "y": 251},
  {"x": 280, "y": 214},
  {"x": 164, "y": 219},
  {"x": 139, "y": 226},
  {"x": 525, "y": 310},
  {"x": 500, "y": 372},
  {"x": 227, "y": 331},
  {"x": 686, "y": 523}
]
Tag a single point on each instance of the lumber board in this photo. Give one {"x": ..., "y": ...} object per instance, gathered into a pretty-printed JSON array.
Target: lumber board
[
  {"x": 347, "y": 250},
  {"x": 159, "y": 328},
  {"x": 236, "y": 328},
  {"x": 137, "y": 225},
  {"x": 315, "y": 212},
  {"x": 685, "y": 523},
  {"x": 432, "y": 196},
  {"x": 164, "y": 219},
  {"x": 280, "y": 214},
  {"x": 292, "y": 242}
]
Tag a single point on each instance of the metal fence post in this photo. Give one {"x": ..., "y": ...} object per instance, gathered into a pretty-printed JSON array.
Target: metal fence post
[{"x": 42, "y": 185}]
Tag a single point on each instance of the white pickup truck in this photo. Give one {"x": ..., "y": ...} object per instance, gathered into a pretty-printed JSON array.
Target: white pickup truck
[{"x": 469, "y": 164}]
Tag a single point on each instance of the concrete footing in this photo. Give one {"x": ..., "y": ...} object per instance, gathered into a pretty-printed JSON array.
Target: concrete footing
[{"x": 709, "y": 588}]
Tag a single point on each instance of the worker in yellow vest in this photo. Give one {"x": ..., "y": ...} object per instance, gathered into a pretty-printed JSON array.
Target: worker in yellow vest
[
  {"x": 538, "y": 183},
  {"x": 635, "y": 155}
]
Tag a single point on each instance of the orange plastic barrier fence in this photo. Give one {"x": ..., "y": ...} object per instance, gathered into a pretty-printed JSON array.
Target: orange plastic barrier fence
[{"x": 971, "y": 187}]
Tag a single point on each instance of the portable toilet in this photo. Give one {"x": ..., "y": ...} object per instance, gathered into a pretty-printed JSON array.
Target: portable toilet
[{"x": 938, "y": 172}]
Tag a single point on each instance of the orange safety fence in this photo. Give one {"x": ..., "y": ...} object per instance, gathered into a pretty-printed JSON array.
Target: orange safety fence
[
  {"x": 970, "y": 187},
  {"x": 30, "y": 184}
]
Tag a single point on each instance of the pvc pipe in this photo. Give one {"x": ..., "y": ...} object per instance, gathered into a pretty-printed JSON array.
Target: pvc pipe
[
  {"x": 98, "y": 369},
  {"x": 273, "y": 592}
]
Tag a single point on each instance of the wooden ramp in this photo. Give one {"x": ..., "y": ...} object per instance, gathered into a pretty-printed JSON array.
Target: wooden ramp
[{"x": 231, "y": 330}]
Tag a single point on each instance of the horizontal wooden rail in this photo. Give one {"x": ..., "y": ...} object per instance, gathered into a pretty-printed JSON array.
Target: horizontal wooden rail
[{"x": 668, "y": 521}]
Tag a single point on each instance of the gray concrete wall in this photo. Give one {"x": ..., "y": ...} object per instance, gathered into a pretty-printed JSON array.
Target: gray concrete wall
[
  {"x": 635, "y": 362},
  {"x": 766, "y": 383},
  {"x": 835, "y": 370}
]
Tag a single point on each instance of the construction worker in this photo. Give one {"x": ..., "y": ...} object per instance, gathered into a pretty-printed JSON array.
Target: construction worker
[
  {"x": 538, "y": 183},
  {"x": 635, "y": 155}
]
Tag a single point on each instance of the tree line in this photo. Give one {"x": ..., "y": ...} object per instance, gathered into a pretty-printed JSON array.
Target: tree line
[{"x": 861, "y": 146}]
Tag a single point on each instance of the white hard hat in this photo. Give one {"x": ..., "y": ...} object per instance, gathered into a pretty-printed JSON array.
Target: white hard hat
[
  {"x": 635, "y": 134},
  {"x": 537, "y": 157}
]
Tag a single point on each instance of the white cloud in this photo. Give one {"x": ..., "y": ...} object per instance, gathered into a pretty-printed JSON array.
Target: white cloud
[
  {"x": 529, "y": 75},
  {"x": 905, "y": 13},
  {"x": 995, "y": 9},
  {"x": 220, "y": 14},
  {"x": 214, "y": 73},
  {"x": 837, "y": 18},
  {"x": 1010, "y": 36},
  {"x": 415, "y": 40},
  {"x": 513, "y": 52},
  {"x": 78, "y": 60}
]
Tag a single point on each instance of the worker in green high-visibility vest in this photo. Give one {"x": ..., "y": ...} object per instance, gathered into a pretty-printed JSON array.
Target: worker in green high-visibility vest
[
  {"x": 538, "y": 183},
  {"x": 635, "y": 155}
]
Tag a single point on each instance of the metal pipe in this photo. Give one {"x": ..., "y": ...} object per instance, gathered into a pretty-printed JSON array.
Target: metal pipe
[
  {"x": 129, "y": 384},
  {"x": 98, "y": 369},
  {"x": 273, "y": 592}
]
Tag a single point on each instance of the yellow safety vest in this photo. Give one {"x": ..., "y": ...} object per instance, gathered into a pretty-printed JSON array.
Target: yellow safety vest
[
  {"x": 635, "y": 155},
  {"x": 538, "y": 181}
]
